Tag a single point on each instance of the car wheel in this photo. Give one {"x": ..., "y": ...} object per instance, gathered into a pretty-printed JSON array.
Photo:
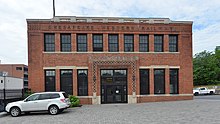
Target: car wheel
[
  {"x": 196, "y": 93},
  {"x": 15, "y": 111},
  {"x": 211, "y": 93},
  {"x": 53, "y": 110}
]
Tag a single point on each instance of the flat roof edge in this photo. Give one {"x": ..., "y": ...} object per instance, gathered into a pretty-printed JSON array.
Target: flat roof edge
[{"x": 108, "y": 19}]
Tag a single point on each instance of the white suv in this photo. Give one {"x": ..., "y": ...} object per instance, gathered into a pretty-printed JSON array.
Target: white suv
[{"x": 53, "y": 102}]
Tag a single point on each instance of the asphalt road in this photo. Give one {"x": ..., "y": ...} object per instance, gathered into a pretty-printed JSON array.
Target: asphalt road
[{"x": 201, "y": 110}]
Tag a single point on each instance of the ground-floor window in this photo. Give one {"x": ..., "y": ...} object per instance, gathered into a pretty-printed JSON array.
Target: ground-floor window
[
  {"x": 82, "y": 82},
  {"x": 50, "y": 80},
  {"x": 159, "y": 81},
  {"x": 66, "y": 81},
  {"x": 174, "y": 81},
  {"x": 144, "y": 81}
]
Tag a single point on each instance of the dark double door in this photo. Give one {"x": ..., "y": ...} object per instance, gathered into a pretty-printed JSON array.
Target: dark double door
[{"x": 114, "y": 86}]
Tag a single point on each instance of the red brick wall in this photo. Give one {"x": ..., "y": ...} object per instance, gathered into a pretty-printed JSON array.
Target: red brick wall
[{"x": 37, "y": 59}]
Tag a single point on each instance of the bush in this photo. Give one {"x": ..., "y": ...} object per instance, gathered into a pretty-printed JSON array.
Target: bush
[
  {"x": 74, "y": 101},
  {"x": 28, "y": 93}
]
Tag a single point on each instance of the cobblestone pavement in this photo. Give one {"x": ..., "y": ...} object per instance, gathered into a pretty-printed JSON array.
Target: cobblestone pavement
[{"x": 197, "y": 111}]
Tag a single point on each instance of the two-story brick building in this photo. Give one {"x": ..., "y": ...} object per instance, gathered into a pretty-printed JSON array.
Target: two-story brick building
[{"x": 111, "y": 59}]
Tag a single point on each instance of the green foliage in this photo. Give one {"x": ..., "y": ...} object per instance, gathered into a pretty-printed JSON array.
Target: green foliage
[
  {"x": 28, "y": 93},
  {"x": 206, "y": 68},
  {"x": 74, "y": 101}
]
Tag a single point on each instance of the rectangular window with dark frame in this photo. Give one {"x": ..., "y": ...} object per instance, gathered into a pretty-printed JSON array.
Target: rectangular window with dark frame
[
  {"x": 66, "y": 81},
  {"x": 50, "y": 80},
  {"x": 97, "y": 42},
  {"x": 65, "y": 42},
  {"x": 144, "y": 81},
  {"x": 174, "y": 81},
  {"x": 49, "y": 42},
  {"x": 81, "y": 42},
  {"x": 82, "y": 82},
  {"x": 113, "y": 43},
  {"x": 143, "y": 43},
  {"x": 159, "y": 81},
  {"x": 129, "y": 43},
  {"x": 158, "y": 43},
  {"x": 173, "y": 43}
]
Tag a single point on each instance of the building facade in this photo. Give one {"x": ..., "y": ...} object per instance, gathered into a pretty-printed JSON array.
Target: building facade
[
  {"x": 16, "y": 71},
  {"x": 111, "y": 59}
]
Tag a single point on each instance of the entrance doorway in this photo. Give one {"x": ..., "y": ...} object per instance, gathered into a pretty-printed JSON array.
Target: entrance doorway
[{"x": 113, "y": 86}]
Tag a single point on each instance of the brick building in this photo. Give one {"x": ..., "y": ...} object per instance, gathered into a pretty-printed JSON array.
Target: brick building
[
  {"x": 17, "y": 71},
  {"x": 111, "y": 59}
]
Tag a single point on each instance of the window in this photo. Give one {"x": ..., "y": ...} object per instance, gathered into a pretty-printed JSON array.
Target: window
[
  {"x": 97, "y": 43},
  {"x": 49, "y": 42},
  {"x": 143, "y": 43},
  {"x": 65, "y": 42},
  {"x": 159, "y": 81},
  {"x": 173, "y": 43},
  {"x": 174, "y": 81},
  {"x": 158, "y": 43},
  {"x": 18, "y": 68},
  {"x": 82, "y": 82},
  {"x": 44, "y": 96},
  {"x": 50, "y": 80},
  {"x": 144, "y": 81},
  {"x": 128, "y": 43},
  {"x": 113, "y": 43},
  {"x": 66, "y": 81},
  {"x": 81, "y": 42},
  {"x": 33, "y": 97},
  {"x": 54, "y": 95}
]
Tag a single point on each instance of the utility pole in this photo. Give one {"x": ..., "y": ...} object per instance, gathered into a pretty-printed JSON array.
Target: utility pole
[{"x": 53, "y": 8}]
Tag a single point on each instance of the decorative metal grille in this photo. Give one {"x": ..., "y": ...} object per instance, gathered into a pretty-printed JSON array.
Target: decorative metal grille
[{"x": 114, "y": 60}]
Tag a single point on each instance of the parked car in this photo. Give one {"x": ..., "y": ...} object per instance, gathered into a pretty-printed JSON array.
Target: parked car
[
  {"x": 202, "y": 91},
  {"x": 53, "y": 102}
]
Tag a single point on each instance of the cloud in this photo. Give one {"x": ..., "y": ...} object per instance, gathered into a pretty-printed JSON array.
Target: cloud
[{"x": 13, "y": 27}]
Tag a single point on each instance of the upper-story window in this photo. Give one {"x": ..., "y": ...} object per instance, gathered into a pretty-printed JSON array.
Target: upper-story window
[
  {"x": 49, "y": 42},
  {"x": 158, "y": 43},
  {"x": 81, "y": 42},
  {"x": 128, "y": 42},
  {"x": 143, "y": 43},
  {"x": 97, "y": 43},
  {"x": 173, "y": 43},
  {"x": 113, "y": 43},
  {"x": 65, "y": 42},
  {"x": 18, "y": 68}
]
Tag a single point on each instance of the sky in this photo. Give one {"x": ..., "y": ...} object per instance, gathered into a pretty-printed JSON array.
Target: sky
[{"x": 205, "y": 15}]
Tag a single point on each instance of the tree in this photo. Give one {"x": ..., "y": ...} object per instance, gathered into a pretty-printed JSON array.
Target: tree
[{"x": 206, "y": 68}]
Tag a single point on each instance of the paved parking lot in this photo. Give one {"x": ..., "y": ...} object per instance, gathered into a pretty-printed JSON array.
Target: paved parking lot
[{"x": 199, "y": 110}]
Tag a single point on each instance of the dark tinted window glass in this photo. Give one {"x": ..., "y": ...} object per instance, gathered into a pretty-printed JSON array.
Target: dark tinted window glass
[
  {"x": 81, "y": 42},
  {"x": 33, "y": 97},
  {"x": 158, "y": 43},
  {"x": 44, "y": 96},
  {"x": 113, "y": 43},
  {"x": 65, "y": 42},
  {"x": 159, "y": 81},
  {"x": 144, "y": 81},
  {"x": 174, "y": 81},
  {"x": 143, "y": 43},
  {"x": 55, "y": 95},
  {"x": 65, "y": 95},
  {"x": 128, "y": 43},
  {"x": 49, "y": 42},
  {"x": 50, "y": 80},
  {"x": 82, "y": 82},
  {"x": 66, "y": 81},
  {"x": 173, "y": 43},
  {"x": 18, "y": 68},
  {"x": 97, "y": 43}
]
